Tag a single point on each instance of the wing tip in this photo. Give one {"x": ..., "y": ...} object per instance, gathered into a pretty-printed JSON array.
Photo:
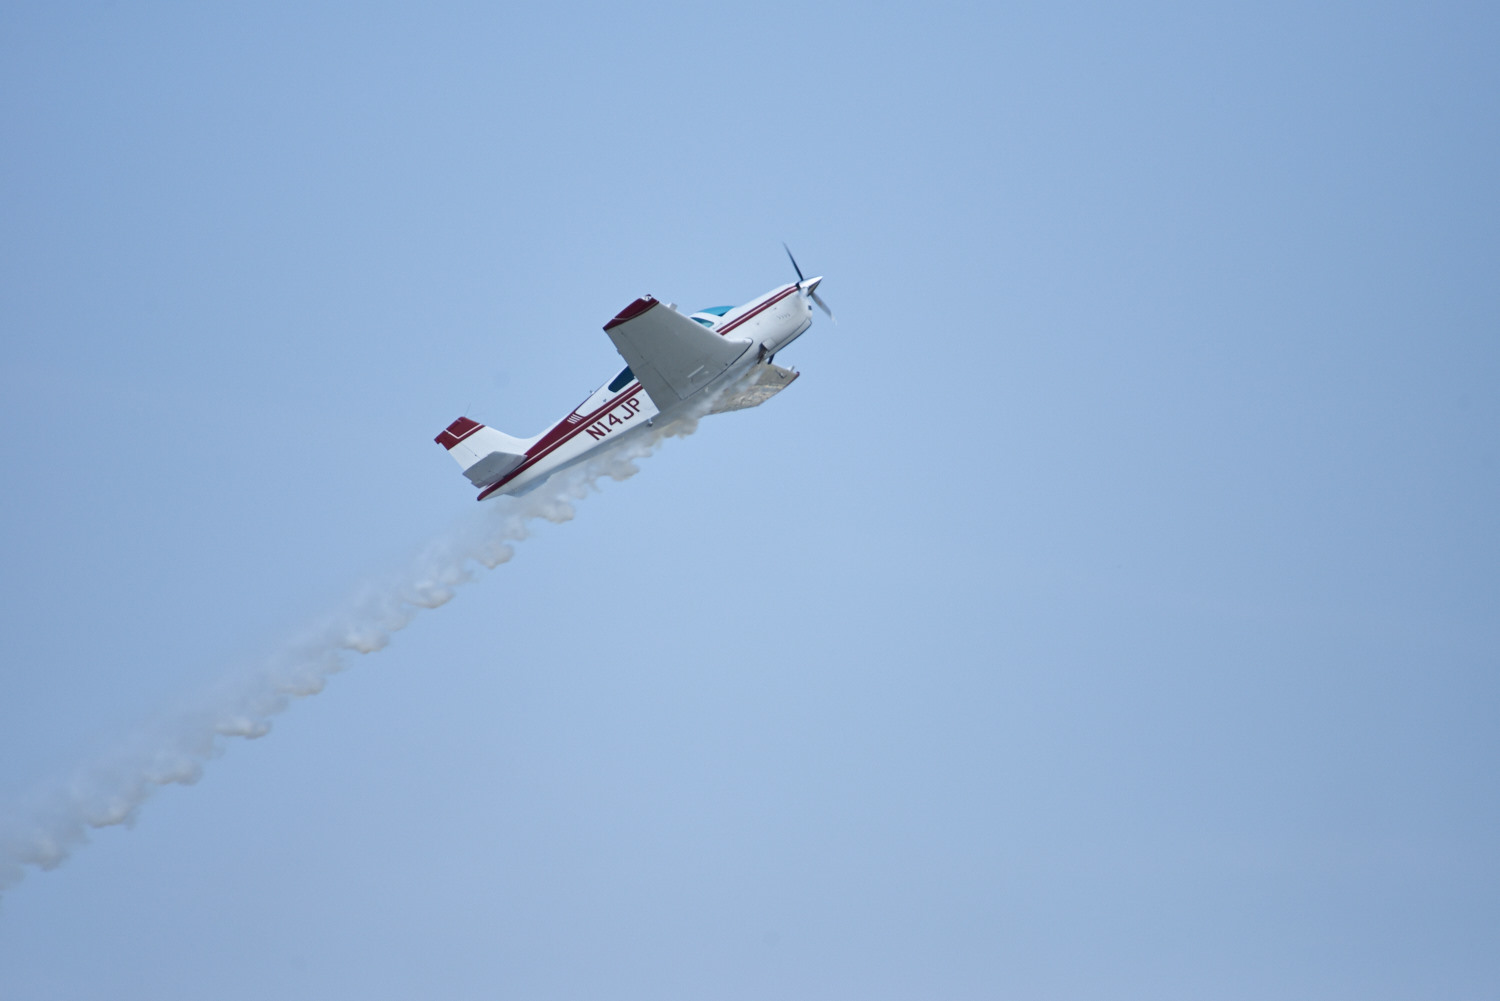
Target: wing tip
[{"x": 631, "y": 311}]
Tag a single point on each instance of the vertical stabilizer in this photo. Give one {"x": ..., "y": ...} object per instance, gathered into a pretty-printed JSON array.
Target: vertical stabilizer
[{"x": 483, "y": 453}]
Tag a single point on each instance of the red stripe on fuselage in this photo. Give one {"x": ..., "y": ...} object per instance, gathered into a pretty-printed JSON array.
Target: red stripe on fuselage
[
  {"x": 757, "y": 310},
  {"x": 561, "y": 433}
]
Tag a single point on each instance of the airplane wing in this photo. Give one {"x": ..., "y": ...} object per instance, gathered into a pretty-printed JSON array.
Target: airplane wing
[{"x": 673, "y": 356}]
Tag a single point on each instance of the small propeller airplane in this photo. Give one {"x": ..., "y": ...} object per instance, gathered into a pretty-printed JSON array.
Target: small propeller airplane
[{"x": 673, "y": 363}]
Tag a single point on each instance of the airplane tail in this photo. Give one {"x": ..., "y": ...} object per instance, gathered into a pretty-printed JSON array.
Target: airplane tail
[{"x": 484, "y": 453}]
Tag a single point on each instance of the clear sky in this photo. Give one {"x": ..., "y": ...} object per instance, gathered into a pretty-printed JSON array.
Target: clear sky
[{"x": 1112, "y": 609}]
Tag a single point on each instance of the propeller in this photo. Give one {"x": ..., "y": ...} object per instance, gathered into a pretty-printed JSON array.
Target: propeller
[{"x": 810, "y": 286}]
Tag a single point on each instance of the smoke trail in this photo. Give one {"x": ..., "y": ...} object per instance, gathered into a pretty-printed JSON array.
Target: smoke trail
[{"x": 111, "y": 791}]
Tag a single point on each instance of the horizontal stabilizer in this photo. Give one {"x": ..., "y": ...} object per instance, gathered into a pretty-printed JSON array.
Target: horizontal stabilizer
[
  {"x": 492, "y": 467},
  {"x": 484, "y": 453}
]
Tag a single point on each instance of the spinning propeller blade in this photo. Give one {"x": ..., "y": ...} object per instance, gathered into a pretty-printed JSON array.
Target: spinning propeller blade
[
  {"x": 822, "y": 305},
  {"x": 794, "y": 262},
  {"x": 810, "y": 287}
]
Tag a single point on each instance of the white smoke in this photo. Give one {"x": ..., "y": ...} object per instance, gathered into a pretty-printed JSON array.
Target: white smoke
[{"x": 56, "y": 821}]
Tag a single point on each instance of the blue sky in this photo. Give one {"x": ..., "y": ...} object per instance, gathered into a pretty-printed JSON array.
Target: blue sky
[{"x": 1109, "y": 609}]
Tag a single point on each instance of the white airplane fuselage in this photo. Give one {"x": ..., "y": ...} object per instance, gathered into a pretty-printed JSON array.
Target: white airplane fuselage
[{"x": 621, "y": 408}]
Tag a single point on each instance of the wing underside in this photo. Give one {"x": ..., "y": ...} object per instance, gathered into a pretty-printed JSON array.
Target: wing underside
[
  {"x": 762, "y": 382},
  {"x": 673, "y": 356}
]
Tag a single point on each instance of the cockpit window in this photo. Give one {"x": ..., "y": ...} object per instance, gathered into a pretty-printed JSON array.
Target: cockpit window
[
  {"x": 716, "y": 310},
  {"x": 621, "y": 379},
  {"x": 706, "y": 323}
]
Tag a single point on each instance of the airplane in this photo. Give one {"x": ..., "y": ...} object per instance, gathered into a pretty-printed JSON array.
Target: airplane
[{"x": 720, "y": 358}]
